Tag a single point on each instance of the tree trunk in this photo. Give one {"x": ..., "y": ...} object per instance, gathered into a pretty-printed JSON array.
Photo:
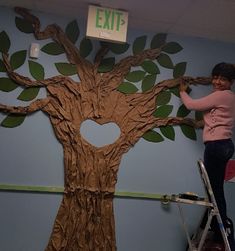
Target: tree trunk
[{"x": 85, "y": 222}]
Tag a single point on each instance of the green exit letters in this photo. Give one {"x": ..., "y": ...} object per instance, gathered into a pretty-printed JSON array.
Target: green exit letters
[
  {"x": 107, "y": 24},
  {"x": 109, "y": 19}
]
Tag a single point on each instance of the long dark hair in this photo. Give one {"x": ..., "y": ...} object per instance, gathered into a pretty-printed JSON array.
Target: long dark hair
[{"x": 225, "y": 70}]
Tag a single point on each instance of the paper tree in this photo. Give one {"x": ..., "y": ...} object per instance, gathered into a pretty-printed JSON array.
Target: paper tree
[{"x": 107, "y": 92}]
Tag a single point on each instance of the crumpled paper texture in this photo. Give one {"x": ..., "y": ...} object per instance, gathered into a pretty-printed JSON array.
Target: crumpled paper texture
[{"x": 85, "y": 220}]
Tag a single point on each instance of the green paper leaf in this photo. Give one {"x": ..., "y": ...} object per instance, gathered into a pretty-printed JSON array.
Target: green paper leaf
[
  {"x": 7, "y": 85},
  {"x": 179, "y": 69},
  {"x": 106, "y": 65},
  {"x": 5, "y": 42},
  {"x": 182, "y": 111},
  {"x": 150, "y": 67},
  {"x": 53, "y": 49},
  {"x": 119, "y": 48},
  {"x": 165, "y": 61},
  {"x": 135, "y": 76},
  {"x": 36, "y": 70},
  {"x": 198, "y": 115},
  {"x": 85, "y": 47},
  {"x": 175, "y": 91},
  {"x": 189, "y": 132},
  {"x": 24, "y": 25},
  {"x": 13, "y": 120},
  {"x": 172, "y": 47},
  {"x": 148, "y": 82},
  {"x": 66, "y": 69},
  {"x": 72, "y": 31},
  {"x": 127, "y": 88},
  {"x": 2, "y": 66},
  {"x": 163, "y": 98},
  {"x": 29, "y": 94},
  {"x": 139, "y": 44},
  {"x": 158, "y": 40},
  {"x": 153, "y": 136},
  {"x": 163, "y": 111},
  {"x": 17, "y": 59},
  {"x": 168, "y": 132}
]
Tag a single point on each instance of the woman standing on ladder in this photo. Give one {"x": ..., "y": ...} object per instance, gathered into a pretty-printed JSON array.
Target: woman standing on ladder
[{"x": 219, "y": 117}]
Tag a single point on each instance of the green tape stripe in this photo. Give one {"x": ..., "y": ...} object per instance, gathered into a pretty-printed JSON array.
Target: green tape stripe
[
  {"x": 22, "y": 188},
  {"x": 139, "y": 195},
  {"x": 50, "y": 189}
]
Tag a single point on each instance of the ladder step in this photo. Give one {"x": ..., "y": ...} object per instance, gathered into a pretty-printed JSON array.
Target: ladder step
[{"x": 201, "y": 240}]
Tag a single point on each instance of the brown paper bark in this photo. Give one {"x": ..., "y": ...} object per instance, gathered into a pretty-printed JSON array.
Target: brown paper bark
[{"x": 85, "y": 220}]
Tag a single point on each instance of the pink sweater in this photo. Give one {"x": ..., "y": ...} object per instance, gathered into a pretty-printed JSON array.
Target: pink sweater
[{"x": 218, "y": 113}]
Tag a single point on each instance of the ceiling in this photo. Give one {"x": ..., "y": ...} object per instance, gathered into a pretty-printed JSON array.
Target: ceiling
[{"x": 212, "y": 19}]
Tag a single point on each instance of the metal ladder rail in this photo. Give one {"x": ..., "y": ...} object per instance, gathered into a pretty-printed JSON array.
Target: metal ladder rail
[
  {"x": 193, "y": 246},
  {"x": 213, "y": 211},
  {"x": 211, "y": 198},
  {"x": 211, "y": 205}
]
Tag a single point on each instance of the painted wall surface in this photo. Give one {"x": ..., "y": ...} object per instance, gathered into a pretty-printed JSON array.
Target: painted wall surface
[{"x": 31, "y": 155}]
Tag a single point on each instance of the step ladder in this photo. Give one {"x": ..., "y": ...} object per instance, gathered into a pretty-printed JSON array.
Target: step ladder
[{"x": 196, "y": 242}]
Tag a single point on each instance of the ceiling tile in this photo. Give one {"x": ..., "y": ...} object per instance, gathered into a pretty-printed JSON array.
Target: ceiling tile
[{"x": 205, "y": 18}]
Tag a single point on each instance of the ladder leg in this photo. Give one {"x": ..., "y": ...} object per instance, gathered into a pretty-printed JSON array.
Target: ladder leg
[
  {"x": 223, "y": 232},
  {"x": 205, "y": 232},
  {"x": 211, "y": 198},
  {"x": 185, "y": 228}
]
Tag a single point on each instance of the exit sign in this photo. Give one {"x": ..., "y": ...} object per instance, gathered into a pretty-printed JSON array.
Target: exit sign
[{"x": 107, "y": 24}]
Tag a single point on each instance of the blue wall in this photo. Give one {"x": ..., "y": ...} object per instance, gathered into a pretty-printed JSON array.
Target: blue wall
[{"x": 31, "y": 155}]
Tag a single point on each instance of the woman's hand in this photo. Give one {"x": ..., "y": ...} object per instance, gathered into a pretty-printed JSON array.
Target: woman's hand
[{"x": 183, "y": 86}]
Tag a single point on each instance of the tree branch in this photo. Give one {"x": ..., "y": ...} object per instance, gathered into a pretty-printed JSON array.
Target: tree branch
[
  {"x": 137, "y": 98},
  {"x": 143, "y": 124},
  {"x": 154, "y": 122},
  {"x": 104, "y": 49},
  {"x": 136, "y": 60},
  {"x": 33, "y": 107},
  {"x": 178, "y": 121},
  {"x": 56, "y": 33},
  {"x": 21, "y": 80},
  {"x": 27, "y": 82},
  {"x": 113, "y": 78},
  {"x": 170, "y": 83}
]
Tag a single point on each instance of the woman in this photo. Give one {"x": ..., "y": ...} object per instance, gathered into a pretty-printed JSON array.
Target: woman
[{"x": 219, "y": 117}]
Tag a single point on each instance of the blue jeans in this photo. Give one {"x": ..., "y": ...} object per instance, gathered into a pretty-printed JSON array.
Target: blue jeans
[{"x": 216, "y": 156}]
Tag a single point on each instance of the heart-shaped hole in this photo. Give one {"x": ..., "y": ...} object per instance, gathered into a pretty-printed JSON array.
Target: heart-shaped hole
[{"x": 99, "y": 135}]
